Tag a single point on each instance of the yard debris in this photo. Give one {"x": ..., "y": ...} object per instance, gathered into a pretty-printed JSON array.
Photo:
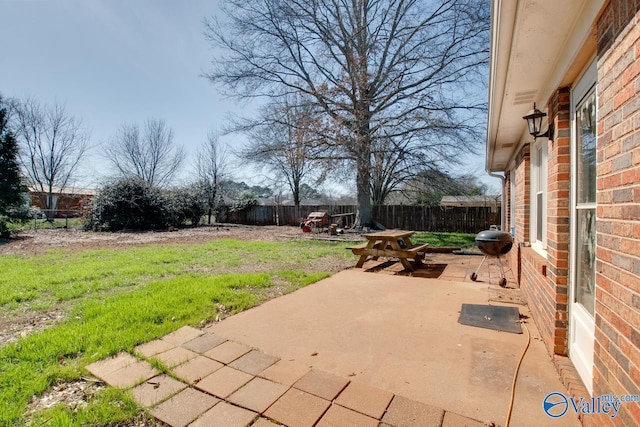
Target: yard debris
[
  {"x": 74, "y": 395},
  {"x": 222, "y": 312},
  {"x": 16, "y": 326}
]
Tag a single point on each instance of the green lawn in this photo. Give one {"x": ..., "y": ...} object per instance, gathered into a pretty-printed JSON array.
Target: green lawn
[
  {"x": 117, "y": 299},
  {"x": 462, "y": 240}
]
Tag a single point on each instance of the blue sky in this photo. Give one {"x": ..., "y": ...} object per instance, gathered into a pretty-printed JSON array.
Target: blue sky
[
  {"x": 120, "y": 61},
  {"x": 114, "y": 62}
]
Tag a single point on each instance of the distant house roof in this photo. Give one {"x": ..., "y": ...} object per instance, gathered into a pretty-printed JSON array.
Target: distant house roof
[
  {"x": 483, "y": 200},
  {"x": 76, "y": 191}
]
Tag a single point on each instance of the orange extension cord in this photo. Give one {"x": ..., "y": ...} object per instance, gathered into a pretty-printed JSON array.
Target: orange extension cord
[{"x": 515, "y": 375}]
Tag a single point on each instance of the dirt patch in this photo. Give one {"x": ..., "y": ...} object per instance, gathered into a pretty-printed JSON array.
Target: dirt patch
[
  {"x": 38, "y": 241},
  {"x": 77, "y": 395},
  {"x": 15, "y": 326},
  {"x": 74, "y": 394}
]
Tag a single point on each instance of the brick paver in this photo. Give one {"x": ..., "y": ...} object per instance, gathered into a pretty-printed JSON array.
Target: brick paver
[
  {"x": 321, "y": 384},
  {"x": 130, "y": 375},
  {"x": 225, "y": 415},
  {"x": 297, "y": 409},
  {"x": 362, "y": 398},
  {"x": 258, "y": 394},
  {"x": 285, "y": 372},
  {"x": 184, "y": 407},
  {"x": 196, "y": 369},
  {"x": 227, "y": 352},
  {"x": 175, "y": 356},
  {"x": 111, "y": 364},
  {"x": 154, "y": 347},
  {"x": 182, "y": 335},
  {"x": 337, "y": 416},
  {"x": 156, "y": 389},
  {"x": 224, "y": 381},
  {"x": 253, "y": 362},
  {"x": 203, "y": 343},
  {"x": 403, "y": 412}
]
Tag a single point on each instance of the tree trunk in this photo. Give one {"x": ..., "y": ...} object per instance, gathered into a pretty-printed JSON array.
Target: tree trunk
[
  {"x": 363, "y": 188},
  {"x": 296, "y": 194}
]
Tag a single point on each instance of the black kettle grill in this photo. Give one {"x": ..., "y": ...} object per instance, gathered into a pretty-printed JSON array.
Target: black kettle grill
[{"x": 493, "y": 243}]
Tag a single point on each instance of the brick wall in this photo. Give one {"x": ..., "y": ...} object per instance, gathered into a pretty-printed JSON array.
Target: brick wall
[
  {"x": 538, "y": 289},
  {"x": 542, "y": 280},
  {"x": 617, "y": 345},
  {"x": 558, "y": 188}
]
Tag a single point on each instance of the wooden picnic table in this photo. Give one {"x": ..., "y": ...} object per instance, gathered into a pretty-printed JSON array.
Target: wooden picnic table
[{"x": 390, "y": 244}]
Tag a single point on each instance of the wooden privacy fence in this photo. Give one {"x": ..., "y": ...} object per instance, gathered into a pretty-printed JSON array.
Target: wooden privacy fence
[{"x": 418, "y": 218}]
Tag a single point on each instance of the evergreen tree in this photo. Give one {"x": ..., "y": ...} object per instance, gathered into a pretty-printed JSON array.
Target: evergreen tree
[{"x": 11, "y": 189}]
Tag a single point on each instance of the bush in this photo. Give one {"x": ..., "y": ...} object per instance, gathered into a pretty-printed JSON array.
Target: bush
[
  {"x": 184, "y": 204},
  {"x": 244, "y": 201},
  {"x": 128, "y": 203},
  {"x": 133, "y": 204}
]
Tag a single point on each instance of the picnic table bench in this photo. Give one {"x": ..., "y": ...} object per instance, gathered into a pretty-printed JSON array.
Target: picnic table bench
[{"x": 390, "y": 244}]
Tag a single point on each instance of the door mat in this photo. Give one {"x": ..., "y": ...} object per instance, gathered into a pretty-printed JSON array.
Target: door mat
[{"x": 494, "y": 317}]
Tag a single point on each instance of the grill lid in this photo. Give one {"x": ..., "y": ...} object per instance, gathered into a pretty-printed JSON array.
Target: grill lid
[{"x": 494, "y": 236}]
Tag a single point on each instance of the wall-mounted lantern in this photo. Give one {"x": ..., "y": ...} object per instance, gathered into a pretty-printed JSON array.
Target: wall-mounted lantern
[{"x": 534, "y": 123}]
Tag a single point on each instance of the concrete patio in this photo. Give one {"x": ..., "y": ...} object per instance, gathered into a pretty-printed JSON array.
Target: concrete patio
[{"x": 358, "y": 348}]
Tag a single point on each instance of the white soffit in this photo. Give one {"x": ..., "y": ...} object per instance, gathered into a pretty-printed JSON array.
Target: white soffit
[{"x": 535, "y": 45}]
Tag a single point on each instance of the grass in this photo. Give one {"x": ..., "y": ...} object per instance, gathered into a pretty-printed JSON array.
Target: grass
[
  {"x": 117, "y": 299},
  {"x": 462, "y": 240},
  {"x": 40, "y": 223}
]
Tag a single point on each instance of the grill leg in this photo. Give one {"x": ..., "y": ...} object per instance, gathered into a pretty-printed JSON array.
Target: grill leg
[
  {"x": 474, "y": 275},
  {"x": 503, "y": 281}
]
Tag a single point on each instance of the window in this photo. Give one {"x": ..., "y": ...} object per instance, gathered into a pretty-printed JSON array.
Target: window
[
  {"x": 585, "y": 201},
  {"x": 538, "y": 220}
]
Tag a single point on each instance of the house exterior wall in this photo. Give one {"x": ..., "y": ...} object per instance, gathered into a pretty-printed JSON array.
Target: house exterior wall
[
  {"x": 67, "y": 205},
  {"x": 558, "y": 188},
  {"x": 617, "y": 333},
  {"x": 543, "y": 280}
]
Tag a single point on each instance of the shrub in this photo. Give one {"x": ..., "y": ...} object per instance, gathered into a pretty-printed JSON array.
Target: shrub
[
  {"x": 245, "y": 200},
  {"x": 184, "y": 204},
  {"x": 128, "y": 203},
  {"x": 133, "y": 204}
]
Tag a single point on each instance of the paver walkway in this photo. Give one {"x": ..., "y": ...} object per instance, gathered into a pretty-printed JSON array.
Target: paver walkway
[{"x": 210, "y": 381}]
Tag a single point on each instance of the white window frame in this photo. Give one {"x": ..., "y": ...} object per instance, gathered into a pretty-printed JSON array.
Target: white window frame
[{"x": 538, "y": 198}]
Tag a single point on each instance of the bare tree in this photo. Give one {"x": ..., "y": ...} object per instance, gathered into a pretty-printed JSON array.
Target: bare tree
[
  {"x": 377, "y": 68},
  {"x": 152, "y": 155},
  {"x": 399, "y": 159},
  {"x": 211, "y": 166},
  {"x": 53, "y": 144},
  {"x": 282, "y": 141}
]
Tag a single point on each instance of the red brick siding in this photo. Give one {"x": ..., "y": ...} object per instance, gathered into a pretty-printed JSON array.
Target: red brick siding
[
  {"x": 540, "y": 294},
  {"x": 617, "y": 335},
  {"x": 538, "y": 289},
  {"x": 520, "y": 175},
  {"x": 558, "y": 188},
  {"x": 543, "y": 281},
  {"x": 68, "y": 204}
]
